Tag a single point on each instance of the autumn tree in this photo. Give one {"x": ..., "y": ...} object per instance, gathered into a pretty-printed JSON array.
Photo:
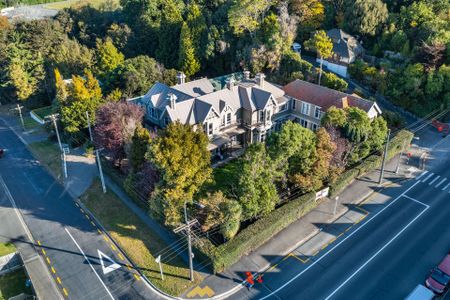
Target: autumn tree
[
  {"x": 323, "y": 45},
  {"x": 115, "y": 125},
  {"x": 181, "y": 156},
  {"x": 246, "y": 15},
  {"x": 61, "y": 89},
  {"x": 188, "y": 61},
  {"x": 85, "y": 95}
]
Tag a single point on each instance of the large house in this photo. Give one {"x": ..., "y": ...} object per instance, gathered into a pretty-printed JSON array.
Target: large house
[
  {"x": 243, "y": 111},
  {"x": 345, "y": 50}
]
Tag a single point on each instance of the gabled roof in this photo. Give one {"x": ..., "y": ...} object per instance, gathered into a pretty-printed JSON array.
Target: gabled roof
[
  {"x": 182, "y": 112},
  {"x": 158, "y": 95},
  {"x": 195, "y": 88},
  {"x": 201, "y": 110},
  {"x": 220, "y": 99},
  {"x": 324, "y": 97}
]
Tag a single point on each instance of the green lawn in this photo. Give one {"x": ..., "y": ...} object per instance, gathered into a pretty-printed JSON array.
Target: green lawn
[
  {"x": 225, "y": 179},
  {"x": 13, "y": 284},
  {"x": 44, "y": 111},
  {"x": 72, "y": 3},
  {"x": 138, "y": 241},
  {"x": 49, "y": 155},
  {"x": 6, "y": 248}
]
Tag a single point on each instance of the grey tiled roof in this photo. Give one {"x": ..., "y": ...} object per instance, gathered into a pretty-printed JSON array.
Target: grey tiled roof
[{"x": 195, "y": 88}]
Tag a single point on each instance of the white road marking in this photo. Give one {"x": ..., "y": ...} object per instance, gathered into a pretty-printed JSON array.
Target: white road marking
[
  {"x": 378, "y": 252},
  {"x": 445, "y": 187},
  {"x": 79, "y": 248},
  {"x": 112, "y": 267},
  {"x": 415, "y": 200},
  {"x": 423, "y": 173},
  {"x": 338, "y": 244},
  {"x": 428, "y": 177},
  {"x": 434, "y": 180},
  {"x": 441, "y": 182}
]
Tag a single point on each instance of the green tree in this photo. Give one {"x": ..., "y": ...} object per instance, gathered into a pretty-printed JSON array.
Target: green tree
[
  {"x": 182, "y": 157},
  {"x": 365, "y": 16},
  {"x": 198, "y": 29},
  {"x": 108, "y": 57},
  {"x": 357, "y": 127},
  {"x": 139, "y": 146},
  {"x": 378, "y": 132},
  {"x": 323, "y": 45},
  {"x": 232, "y": 211},
  {"x": 334, "y": 117},
  {"x": 257, "y": 191},
  {"x": 188, "y": 61},
  {"x": 334, "y": 82},
  {"x": 246, "y": 15}
]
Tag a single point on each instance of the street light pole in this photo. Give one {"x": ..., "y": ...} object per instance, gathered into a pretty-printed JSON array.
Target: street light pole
[{"x": 380, "y": 181}]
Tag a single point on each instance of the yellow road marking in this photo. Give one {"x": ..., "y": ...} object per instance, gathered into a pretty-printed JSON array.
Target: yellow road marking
[
  {"x": 53, "y": 270},
  {"x": 87, "y": 216},
  {"x": 43, "y": 252},
  {"x": 112, "y": 247},
  {"x": 99, "y": 231},
  {"x": 59, "y": 280},
  {"x": 201, "y": 292},
  {"x": 105, "y": 238},
  {"x": 39, "y": 243},
  {"x": 121, "y": 256},
  {"x": 362, "y": 209},
  {"x": 137, "y": 277},
  {"x": 48, "y": 260},
  {"x": 347, "y": 229},
  {"x": 128, "y": 266},
  {"x": 65, "y": 292},
  {"x": 341, "y": 234},
  {"x": 315, "y": 253},
  {"x": 298, "y": 258},
  {"x": 93, "y": 224}
]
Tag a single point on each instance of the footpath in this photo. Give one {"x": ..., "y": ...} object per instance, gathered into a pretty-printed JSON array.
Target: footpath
[{"x": 306, "y": 237}]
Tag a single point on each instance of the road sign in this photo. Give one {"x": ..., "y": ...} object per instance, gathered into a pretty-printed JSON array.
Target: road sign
[
  {"x": 322, "y": 193},
  {"x": 112, "y": 264}
]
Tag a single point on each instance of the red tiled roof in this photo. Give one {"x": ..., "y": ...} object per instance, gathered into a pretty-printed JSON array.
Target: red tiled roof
[{"x": 324, "y": 97}]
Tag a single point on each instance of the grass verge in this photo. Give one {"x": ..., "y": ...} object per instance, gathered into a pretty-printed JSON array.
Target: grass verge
[
  {"x": 13, "y": 284},
  {"x": 138, "y": 241},
  {"x": 77, "y": 3},
  {"x": 7, "y": 248},
  {"x": 48, "y": 154}
]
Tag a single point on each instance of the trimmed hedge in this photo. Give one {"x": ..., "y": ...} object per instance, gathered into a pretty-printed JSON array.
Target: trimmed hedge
[
  {"x": 261, "y": 231},
  {"x": 372, "y": 162}
]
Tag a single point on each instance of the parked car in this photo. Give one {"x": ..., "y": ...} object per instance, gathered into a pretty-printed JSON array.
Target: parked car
[
  {"x": 439, "y": 279},
  {"x": 2, "y": 151},
  {"x": 420, "y": 293}
]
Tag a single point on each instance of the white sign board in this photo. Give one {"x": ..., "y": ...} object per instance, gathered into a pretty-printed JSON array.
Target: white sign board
[{"x": 322, "y": 193}]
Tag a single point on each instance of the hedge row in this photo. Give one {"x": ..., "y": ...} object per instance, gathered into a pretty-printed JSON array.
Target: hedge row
[
  {"x": 265, "y": 228},
  {"x": 403, "y": 137},
  {"x": 261, "y": 231}
]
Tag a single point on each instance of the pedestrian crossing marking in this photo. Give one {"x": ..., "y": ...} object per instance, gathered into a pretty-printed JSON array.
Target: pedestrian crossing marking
[
  {"x": 434, "y": 180},
  {"x": 428, "y": 177},
  {"x": 441, "y": 182},
  {"x": 445, "y": 187}
]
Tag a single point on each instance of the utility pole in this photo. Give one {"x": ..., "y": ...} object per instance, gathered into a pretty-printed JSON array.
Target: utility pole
[
  {"x": 100, "y": 170},
  {"x": 187, "y": 228},
  {"x": 89, "y": 126},
  {"x": 53, "y": 118},
  {"x": 97, "y": 153},
  {"x": 19, "y": 109},
  {"x": 384, "y": 156},
  {"x": 158, "y": 260},
  {"x": 63, "y": 154},
  {"x": 400, "y": 157}
]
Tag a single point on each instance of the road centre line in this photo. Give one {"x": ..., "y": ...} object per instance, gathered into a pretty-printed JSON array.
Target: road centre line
[
  {"x": 428, "y": 177},
  {"x": 378, "y": 252},
  {"x": 338, "y": 244},
  {"x": 445, "y": 187},
  {"x": 415, "y": 200},
  {"x": 434, "y": 180},
  {"x": 422, "y": 174},
  {"x": 85, "y": 257},
  {"x": 441, "y": 182}
]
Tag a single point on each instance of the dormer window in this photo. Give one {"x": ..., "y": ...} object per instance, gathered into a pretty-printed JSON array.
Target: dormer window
[{"x": 228, "y": 118}]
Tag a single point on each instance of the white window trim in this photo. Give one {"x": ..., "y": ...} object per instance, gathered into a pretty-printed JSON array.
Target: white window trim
[
  {"x": 317, "y": 112},
  {"x": 307, "y": 109}
]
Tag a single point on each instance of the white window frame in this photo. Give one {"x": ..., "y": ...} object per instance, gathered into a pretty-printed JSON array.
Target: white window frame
[
  {"x": 306, "y": 107},
  {"x": 210, "y": 128},
  {"x": 228, "y": 119},
  {"x": 261, "y": 116},
  {"x": 304, "y": 123},
  {"x": 317, "y": 112}
]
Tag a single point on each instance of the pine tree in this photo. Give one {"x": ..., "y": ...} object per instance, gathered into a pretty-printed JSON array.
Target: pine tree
[
  {"x": 188, "y": 62},
  {"x": 108, "y": 57}
]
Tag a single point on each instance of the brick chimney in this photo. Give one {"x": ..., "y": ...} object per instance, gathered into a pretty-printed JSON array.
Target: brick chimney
[{"x": 181, "y": 78}]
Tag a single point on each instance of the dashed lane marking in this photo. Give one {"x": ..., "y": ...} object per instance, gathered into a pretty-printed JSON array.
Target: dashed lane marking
[
  {"x": 128, "y": 267},
  {"x": 445, "y": 187},
  {"x": 59, "y": 280},
  {"x": 137, "y": 277},
  {"x": 440, "y": 182},
  {"x": 53, "y": 270},
  {"x": 92, "y": 223},
  {"x": 121, "y": 256},
  {"x": 113, "y": 247},
  {"x": 78, "y": 205},
  {"x": 43, "y": 252},
  {"x": 99, "y": 231},
  {"x": 434, "y": 180},
  {"x": 48, "y": 260},
  {"x": 39, "y": 243},
  {"x": 66, "y": 293},
  {"x": 428, "y": 177}
]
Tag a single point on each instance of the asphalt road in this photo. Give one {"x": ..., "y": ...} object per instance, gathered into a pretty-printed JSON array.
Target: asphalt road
[
  {"x": 383, "y": 257},
  {"x": 70, "y": 242}
]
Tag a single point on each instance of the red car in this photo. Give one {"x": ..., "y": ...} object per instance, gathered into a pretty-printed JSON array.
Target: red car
[{"x": 439, "y": 279}]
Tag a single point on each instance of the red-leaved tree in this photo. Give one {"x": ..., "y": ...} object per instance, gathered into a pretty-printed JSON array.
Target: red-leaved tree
[{"x": 115, "y": 126}]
